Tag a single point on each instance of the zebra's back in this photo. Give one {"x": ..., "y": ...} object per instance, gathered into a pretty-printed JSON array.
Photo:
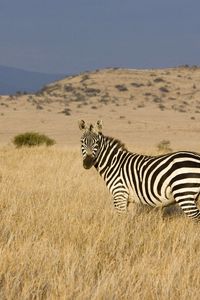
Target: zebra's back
[{"x": 162, "y": 180}]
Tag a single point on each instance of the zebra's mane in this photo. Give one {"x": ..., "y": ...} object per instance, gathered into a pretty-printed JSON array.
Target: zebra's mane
[{"x": 117, "y": 142}]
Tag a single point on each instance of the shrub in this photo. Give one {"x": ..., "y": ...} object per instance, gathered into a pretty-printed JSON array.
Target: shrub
[
  {"x": 79, "y": 97},
  {"x": 137, "y": 85},
  {"x": 164, "y": 146},
  {"x": 85, "y": 77},
  {"x": 158, "y": 79},
  {"x": 161, "y": 106},
  {"x": 92, "y": 91},
  {"x": 164, "y": 89},
  {"x": 121, "y": 87},
  {"x": 32, "y": 139},
  {"x": 68, "y": 88},
  {"x": 66, "y": 111}
]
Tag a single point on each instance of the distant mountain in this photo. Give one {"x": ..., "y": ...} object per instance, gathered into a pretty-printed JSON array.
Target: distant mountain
[{"x": 14, "y": 80}]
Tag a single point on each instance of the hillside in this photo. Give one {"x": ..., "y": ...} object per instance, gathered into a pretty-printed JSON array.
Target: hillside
[
  {"x": 141, "y": 107},
  {"x": 13, "y": 80}
]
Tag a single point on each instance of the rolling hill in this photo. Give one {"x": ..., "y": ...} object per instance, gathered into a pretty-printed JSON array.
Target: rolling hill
[{"x": 140, "y": 107}]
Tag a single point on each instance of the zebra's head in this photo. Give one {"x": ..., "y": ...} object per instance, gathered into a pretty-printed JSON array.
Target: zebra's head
[{"x": 90, "y": 142}]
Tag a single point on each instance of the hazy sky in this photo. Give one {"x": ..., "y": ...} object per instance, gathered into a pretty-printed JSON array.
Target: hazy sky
[{"x": 70, "y": 36}]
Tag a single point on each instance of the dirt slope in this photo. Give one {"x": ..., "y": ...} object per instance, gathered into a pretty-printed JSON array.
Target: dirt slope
[{"x": 141, "y": 107}]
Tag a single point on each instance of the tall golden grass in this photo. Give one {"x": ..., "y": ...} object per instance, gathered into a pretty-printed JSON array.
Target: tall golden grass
[{"x": 60, "y": 237}]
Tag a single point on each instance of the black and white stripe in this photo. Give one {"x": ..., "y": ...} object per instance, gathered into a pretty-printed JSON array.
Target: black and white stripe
[{"x": 152, "y": 180}]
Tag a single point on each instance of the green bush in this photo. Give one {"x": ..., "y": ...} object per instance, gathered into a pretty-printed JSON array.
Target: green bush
[{"x": 32, "y": 139}]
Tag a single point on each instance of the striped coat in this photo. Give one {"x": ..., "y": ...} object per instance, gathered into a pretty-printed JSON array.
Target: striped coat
[{"x": 152, "y": 180}]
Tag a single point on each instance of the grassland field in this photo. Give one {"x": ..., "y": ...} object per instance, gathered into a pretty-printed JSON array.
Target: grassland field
[{"x": 60, "y": 237}]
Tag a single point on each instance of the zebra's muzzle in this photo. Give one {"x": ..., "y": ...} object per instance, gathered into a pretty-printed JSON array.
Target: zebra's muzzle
[{"x": 88, "y": 162}]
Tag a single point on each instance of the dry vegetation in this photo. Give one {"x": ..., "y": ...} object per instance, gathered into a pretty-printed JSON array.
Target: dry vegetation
[
  {"x": 59, "y": 235},
  {"x": 136, "y": 103},
  {"x": 61, "y": 239}
]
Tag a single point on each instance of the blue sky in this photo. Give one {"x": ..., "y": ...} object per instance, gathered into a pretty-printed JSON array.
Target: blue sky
[{"x": 71, "y": 36}]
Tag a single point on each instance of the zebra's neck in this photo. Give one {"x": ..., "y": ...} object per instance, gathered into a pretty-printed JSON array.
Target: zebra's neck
[{"x": 110, "y": 151}]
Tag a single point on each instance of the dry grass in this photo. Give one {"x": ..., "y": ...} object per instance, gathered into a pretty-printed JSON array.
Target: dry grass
[{"x": 61, "y": 239}]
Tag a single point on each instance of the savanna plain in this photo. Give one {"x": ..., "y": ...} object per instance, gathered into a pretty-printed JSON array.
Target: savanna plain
[{"x": 60, "y": 237}]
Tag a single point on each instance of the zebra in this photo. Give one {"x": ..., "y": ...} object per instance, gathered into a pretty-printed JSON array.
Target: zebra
[{"x": 157, "y": 181}]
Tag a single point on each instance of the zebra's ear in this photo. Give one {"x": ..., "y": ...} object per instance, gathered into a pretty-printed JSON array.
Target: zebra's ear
[
  {"x": 99, "y": 125},
  {"x": 82, "y": 125}
]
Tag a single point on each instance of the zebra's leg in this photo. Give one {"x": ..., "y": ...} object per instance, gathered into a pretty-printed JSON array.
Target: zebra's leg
[
  {"x": 188, "y": 205},
  {"x": 120, "y": 201}
]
